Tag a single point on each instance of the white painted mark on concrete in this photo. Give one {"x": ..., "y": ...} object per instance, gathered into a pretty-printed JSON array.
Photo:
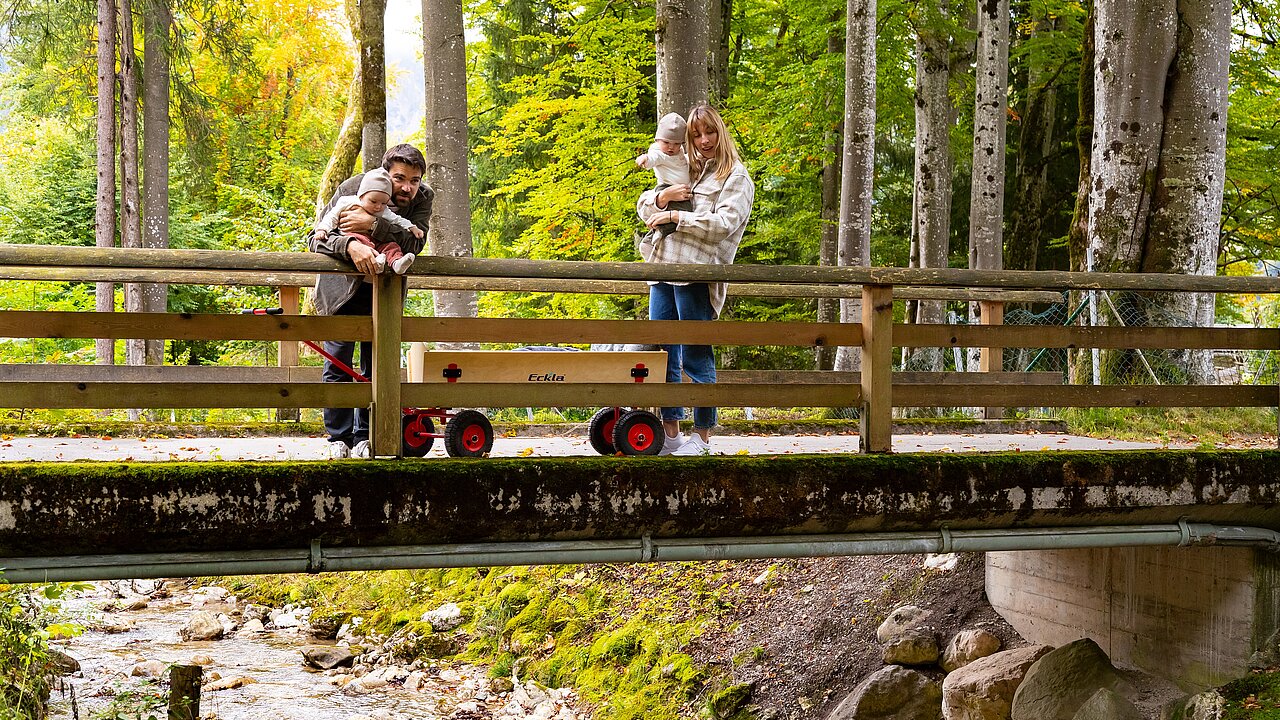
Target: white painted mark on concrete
[{"x": 7, "y": 519}]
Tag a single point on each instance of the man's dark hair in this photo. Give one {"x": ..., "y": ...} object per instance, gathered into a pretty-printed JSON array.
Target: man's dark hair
[{"x": 404, "y": 154}]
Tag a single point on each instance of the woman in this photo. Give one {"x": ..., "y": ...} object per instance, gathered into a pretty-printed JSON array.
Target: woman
[{"x": 722, "y": 194}]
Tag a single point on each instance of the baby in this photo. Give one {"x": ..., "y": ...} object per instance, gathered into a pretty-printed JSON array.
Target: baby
[
  {"x": 668, "y": 162},
  {"x": 373, "y": 196}
]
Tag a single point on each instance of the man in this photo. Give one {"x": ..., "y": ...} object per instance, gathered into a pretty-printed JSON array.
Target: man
[{"x": 348, "y": 429}]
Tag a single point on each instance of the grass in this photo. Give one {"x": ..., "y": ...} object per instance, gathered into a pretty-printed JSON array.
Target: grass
[
  {"x": 1253, "y": 697},
  {"x": 1197, "y": 425}
]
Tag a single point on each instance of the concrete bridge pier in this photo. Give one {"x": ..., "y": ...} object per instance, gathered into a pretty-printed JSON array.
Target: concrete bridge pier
[{"x": 1193, "y": 615}]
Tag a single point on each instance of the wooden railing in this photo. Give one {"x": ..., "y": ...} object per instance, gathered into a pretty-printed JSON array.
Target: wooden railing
[{"x": 875, "y": 391}]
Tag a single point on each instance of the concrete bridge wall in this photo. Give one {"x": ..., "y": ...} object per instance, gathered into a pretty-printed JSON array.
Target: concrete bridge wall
[{"x": 1192, "y": 615}]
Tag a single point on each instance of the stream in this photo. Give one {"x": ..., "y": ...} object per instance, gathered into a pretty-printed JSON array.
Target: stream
[{"x": 277, "y": 685}]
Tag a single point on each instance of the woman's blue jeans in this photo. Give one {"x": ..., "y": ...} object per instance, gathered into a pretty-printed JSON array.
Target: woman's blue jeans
[{"x": 686, "y": 302}]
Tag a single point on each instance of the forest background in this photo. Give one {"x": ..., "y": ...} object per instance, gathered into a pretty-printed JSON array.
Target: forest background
[{"x": 561, "y": 97}]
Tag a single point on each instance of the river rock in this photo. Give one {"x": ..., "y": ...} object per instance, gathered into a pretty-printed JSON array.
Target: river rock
[
  {"x": 1208, "y": 705},
  {"x": 202, "y": 626},
  {"x": 327, "y": 657},
  {"x": 213, "y": 592},
  {"x": 228, "y": 625},
  {"x": 228, "y": 684},
  {"x": 967, "y": 646},
  {"x": 148, "y": 669},
  {"x": 62, "y": 663},
  {"x": 285, "y": 620},
  {"x": 253, "y": 626},
  {"x": 256, "y": 612},
  {"x": 1108, "y": 705},
  {"x": 501, "y": 685},
  {"x": 201, "y": 660},
  {"x": 917, "y": 646},
  {"x": 1063, "y": 680},
  {"x": 892, "y": 693},
  {"x": 984, "y": 688},
  {"x": 900, "y": 620},
  {"x": 444, "y": 618},
  {"x": 139, "y": 603}
]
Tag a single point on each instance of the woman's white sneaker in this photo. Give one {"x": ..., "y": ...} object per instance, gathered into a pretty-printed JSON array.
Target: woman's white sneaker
[
  {"x": 695, "y": 445},
  {"x": 671, "y": 444}
]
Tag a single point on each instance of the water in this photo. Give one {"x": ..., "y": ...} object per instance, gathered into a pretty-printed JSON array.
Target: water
[{"x": 284, "y": 689}]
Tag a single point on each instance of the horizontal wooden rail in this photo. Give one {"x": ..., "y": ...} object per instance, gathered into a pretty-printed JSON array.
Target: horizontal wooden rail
[
  {"x": 912, "y": 377},
  {"x": 174, "y": 326},
  {"x": 1085, "y": 395},
  {"x": 62, "y": 395},
  {"x": 1057, "y": 336},
  {"x": 257, "y": 262},
  {"x": 720, "y": 332},
  {"x": 629, "y": 394}
]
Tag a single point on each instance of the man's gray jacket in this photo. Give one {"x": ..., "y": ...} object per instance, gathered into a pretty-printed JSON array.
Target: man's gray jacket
[{"x": 333, "y": 291}]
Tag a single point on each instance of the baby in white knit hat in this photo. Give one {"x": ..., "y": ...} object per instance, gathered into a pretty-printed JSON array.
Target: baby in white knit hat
[
  {"x": 670, "y": 165},
  {"x": 373, "y": 196}
]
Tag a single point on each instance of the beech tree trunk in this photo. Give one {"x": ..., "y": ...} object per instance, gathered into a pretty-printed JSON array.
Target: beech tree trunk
[
  {"x": 373, "y": 53},
  {"x": 858, "y": 164},
  {"x": 935, "y": 115},
  {"x": 829, "y": 245},
  {"x": 1036, "y": 144},
  {"x": 346, "y": 149},
  {"x": 719, "y": 22},
  {"x": 444, "y": 58},
  {"x": 155, "y": 142},
  {"x": 682, "y": 44},
  {"x": 986, "y": 203},
  {"x": 130, "y": 200},
  {"x": 104, "y": 220},
  {"x": 1080, "y": 363}
]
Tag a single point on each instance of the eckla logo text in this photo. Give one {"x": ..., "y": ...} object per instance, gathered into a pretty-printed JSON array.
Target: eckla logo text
[{"x": 545, "y": 377}]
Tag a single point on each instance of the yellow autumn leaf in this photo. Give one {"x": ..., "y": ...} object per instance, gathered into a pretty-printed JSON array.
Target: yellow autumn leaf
[
  {"x": 743, "y": 451},
  {"x": 526, "y": 452}
]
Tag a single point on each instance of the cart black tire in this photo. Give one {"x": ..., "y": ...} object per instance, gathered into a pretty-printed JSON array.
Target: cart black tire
[
  {"x": 638, "y": 432},
  {"x": 468, "y": 434},
  {"x": 600, "y": 429},
  {"x": 412, "y": 428}
]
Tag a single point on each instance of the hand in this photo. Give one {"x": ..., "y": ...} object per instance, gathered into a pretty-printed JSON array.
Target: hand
[
  {"x": 662, "y": 218},
  {"x": 318, "y": 235},
  {"x": 642, "y": 161},
  {"x": 356, "y": 220},
  {"x": 673, "y": 194},
  {"x": 362, "y": 257},
  {"x": 417, "y": 232}
]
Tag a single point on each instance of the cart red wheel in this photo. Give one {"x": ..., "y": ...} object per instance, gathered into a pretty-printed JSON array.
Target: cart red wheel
[
  {"x": 600, "y": 429},
  {"x": 468, "y": 434},
  {"x": 415, "y": 434},
  {"x": 638, "y": 432}
]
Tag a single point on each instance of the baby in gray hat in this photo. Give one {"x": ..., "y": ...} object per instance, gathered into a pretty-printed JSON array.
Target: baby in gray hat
[
  {"x": 668, "y": 162},
  {"x": 373, "y": 196}
]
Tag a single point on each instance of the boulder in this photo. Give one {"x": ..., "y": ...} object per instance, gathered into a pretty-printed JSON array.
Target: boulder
[
  {"x": 135, "y": 604},
  {"x": 227, "y": 684},
  {"x": 984, "y": 689},
  {"x": 892, "y": 693},
  {"x": 1208, "y": 705},
  {"x": 253, "y": 626},
  {"x": 228, "y": 625},
  {"x": 286, "y": 620},
  {"x": 444, "y": 618},
  {"x": 202, "y": 626},
  {"x": 899, "y": 621},
  {"x": 148, "y": 669},
  {"x": 1060, "y": 682},
  {"x": 917, "y": 646},
  {"x": 213, "y": 592},
  {"x": 327, "y": 657},
  {"x": 256, "y": 612},
  {"x": 1108, "y": 705},
  {"x": 967, "y": 646},
  {"x": 62, "y": 663},
  {"x": 201, "y": 660}
]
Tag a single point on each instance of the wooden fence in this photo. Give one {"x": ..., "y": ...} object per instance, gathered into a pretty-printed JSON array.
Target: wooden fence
[{"x": 875, "y": 391}]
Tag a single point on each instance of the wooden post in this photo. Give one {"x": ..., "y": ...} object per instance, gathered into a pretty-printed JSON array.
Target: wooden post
[
  {"x": 991, "y": 359},
  {"x": 876, "y": 418},
  {"x": 388, "y": 313},
  {"x": 184, "y": 692},
  {"x": 288, "y": 353}
]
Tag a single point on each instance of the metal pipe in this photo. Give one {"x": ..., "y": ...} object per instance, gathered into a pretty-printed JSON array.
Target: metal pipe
[{"x": 645, "y": 549}]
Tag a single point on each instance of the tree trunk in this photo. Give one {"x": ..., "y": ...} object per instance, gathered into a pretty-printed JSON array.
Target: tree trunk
[
  {"x": 104, "y": 221},
  {"x": 155, "y": 141},
  {"x": 1036, "y": 142},
  {"x": 444, "y": 59},
  {"x": 130, "y": 201},
  {"x": 373, "y": 53},
  {"x": 829, "y": 245},
  {"x": 1186, "y": 210},
  {"x": 682, "y": 45},
  {"x": 933, "y": 163},
  {"x": 346, "y": 149},
  {"x": 986, "y": 203},
  {"x": 720, "y": 17},
  {"x": 1080, "y": 363},
  {"x": 858, "y": 165}
]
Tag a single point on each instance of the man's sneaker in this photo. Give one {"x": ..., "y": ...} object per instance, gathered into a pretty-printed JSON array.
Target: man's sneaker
[
  {"x": 361, "y": 450},
  {"x": 339, "y": 450},
  {"x": 402, "y": 263},
  {"x": 671, "y": 444},
  {"x": 380, "y": 263},
  {"x": 695, "y": 445}
]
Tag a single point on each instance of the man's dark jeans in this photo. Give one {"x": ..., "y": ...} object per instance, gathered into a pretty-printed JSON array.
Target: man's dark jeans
[{"x": 349, "y": 425}]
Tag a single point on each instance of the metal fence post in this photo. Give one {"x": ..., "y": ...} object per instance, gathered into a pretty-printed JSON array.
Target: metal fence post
[
  {"x": 876, "y": 419},
  {"x": 388, "y": 313}
]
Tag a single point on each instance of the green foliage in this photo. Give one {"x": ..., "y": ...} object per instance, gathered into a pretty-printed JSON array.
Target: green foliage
[
  {"x": 1253, "y": 697},
  {"x": 27, "y": 621}
]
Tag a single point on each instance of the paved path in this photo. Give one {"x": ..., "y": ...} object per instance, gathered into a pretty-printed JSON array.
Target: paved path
[{"x": 62, "y": 449}]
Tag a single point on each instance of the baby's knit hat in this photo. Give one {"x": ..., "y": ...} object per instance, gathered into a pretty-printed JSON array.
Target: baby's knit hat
[
  {"x": 377, "y": 179},
  {"x": 671, "y": 128}
]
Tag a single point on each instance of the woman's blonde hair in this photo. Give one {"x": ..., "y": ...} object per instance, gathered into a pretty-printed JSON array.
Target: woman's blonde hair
[{"x": 706, "y": 118}]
